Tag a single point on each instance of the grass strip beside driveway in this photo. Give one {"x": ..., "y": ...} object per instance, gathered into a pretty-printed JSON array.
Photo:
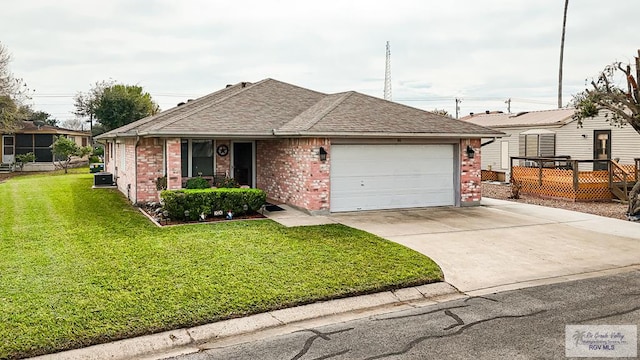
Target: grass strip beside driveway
[{"x": 81, "y": 266}]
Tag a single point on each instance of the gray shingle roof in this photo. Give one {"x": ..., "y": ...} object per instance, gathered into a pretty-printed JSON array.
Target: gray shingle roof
[{"x": 274, "y": 108}]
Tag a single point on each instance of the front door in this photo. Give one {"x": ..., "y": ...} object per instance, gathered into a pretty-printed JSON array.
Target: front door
[
  {"x": 243, "y": 163},
  {"x": 8, "y": 149},
  {"x": 601, "y": 148}
]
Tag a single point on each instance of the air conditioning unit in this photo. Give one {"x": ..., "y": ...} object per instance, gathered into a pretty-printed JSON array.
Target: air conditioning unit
[{"x": 103, "y": 179}]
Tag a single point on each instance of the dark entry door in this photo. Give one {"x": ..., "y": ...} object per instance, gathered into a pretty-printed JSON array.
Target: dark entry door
[
  {"x": 601, "y": 148},
  {"x": 243, "y": 163}
]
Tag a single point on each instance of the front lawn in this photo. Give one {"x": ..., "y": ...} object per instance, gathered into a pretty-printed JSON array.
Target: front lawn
[{"x": 81, "y": 266}]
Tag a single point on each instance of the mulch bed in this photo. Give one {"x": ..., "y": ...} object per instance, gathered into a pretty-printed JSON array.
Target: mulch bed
[{"x": 150, "y": 211}]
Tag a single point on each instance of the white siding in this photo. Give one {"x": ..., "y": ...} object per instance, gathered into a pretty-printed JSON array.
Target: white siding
[
  {"x": 624, "y": 141},
  {"x": 491, "y": 153},
  {"x": 569, "y": 141}
]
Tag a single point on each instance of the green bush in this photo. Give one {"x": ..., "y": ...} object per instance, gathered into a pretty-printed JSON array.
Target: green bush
[
  {"x": 206, "y": 201},
  {"x": 94, "y": 159},
  {"x": 22, "y": 159},
  {"x": 198, "y": 183},
  {"x": 98, "y": 151}
]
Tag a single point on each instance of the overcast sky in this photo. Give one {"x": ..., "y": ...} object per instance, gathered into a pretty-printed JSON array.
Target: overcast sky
[{"x": 480, "y": 51}]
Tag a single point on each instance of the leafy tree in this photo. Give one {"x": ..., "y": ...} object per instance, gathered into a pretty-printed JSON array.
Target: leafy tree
[
  {"x": 43, "y": 117},
  {"x": 64, "y": 149},
  {"x": 114, "y": 105},
  {"x": 86, "y": 103},
  {"x": 622, "y": 105},
  {"x": 124, "y": 104},
  {"x": 8, "y": 113},
  {"x": 25, "y": 158}
]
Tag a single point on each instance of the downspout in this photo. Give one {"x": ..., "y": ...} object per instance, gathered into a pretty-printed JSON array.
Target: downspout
[
  {"x": 135, "y": 164},
  {"x": 488, "y": 142}
]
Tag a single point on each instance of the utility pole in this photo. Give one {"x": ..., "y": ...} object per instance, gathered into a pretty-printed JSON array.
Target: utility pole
[
  {"x": 458, "y": 101},
  {"x": 387, "y": 75},
  {"x": 508, "y": 102},
  {"x": 564, "y": 26}
]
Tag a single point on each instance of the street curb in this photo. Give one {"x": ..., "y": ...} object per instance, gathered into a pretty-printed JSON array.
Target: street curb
[{"x": 190, "y": 337}]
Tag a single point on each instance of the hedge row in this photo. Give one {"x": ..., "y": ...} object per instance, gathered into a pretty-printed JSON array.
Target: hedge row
[{"x": 208, "y": 201}]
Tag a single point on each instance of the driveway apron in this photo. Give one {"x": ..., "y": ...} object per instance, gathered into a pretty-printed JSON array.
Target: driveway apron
[{"x": 503, "y": 243}]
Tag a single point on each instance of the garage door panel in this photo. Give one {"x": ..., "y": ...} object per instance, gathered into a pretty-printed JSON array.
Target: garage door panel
[{"x": 368, "y": 177}]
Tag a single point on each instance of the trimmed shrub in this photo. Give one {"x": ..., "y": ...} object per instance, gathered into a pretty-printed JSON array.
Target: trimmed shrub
[
  {"x": 206, "y": 201},
  {"x": 198, "y": 183}
]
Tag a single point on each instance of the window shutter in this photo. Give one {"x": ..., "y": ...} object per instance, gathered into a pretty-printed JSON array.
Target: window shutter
[
  {"x": 522, "y": 145},
  {"x": 547, "y": 145},
  {"x": 532, "y": 145}
]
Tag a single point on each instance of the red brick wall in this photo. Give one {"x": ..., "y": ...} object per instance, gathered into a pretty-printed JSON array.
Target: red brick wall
[
  {"x": 290, "y": 171},
  {"x": 470, "y": 173},
  {"x": 150, "y": 168},
  {"x": 125, "y": 176},
  {"x": 174, "y": 163},
  {"x": 223, "y": 163}
]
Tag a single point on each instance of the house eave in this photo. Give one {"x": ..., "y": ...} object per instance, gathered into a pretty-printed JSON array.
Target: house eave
[
  {"x": 387, "y": 134},
  {"x": 306, "y": 134}
]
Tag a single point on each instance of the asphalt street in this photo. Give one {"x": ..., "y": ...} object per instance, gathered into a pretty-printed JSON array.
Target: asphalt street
[{"x": 520, "y": 324}]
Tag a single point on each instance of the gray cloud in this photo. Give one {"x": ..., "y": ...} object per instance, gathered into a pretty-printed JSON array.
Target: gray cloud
[{"x": 480, "y": 51}]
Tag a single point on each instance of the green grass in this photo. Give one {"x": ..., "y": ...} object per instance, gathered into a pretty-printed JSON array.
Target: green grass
[{"x": 81, "y": 266}]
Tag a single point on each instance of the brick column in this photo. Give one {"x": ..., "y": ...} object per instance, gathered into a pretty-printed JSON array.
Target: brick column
[
  {"x": 470, "y": 173},
  {"x": 174, "y": 164}
]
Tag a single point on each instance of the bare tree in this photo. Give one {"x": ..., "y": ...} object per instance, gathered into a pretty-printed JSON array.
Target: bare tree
[
  {"x": 13, "y": 92},
  {"x": 73, "y": 124},
  {"x": 622, "y": 105}
]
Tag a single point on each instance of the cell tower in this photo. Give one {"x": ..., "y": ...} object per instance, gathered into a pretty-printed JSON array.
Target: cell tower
[{"x": 387, "y": 75}]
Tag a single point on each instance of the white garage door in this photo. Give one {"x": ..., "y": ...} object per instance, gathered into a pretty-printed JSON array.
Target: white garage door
[{"x": 370, "y": 177}]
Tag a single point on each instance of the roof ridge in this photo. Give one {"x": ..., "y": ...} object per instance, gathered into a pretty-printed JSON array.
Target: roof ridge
[
  {"x": 341, "y": 97},
  {"x": 247, "y": 86},
  {"x": 164, "y": 113}
]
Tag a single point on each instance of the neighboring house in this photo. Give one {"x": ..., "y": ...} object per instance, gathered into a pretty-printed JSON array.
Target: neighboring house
[
  {"x": 36, "y": 138},
  {"x": 554, "y": 133},
  {"x": 318, "y": 152}
]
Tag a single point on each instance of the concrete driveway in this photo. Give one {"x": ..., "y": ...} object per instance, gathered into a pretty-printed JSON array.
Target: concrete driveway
[{"x": 504, "y": 243}]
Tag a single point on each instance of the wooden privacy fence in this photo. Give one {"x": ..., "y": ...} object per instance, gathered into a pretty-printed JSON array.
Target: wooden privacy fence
[{"x": 562, "y": 178}]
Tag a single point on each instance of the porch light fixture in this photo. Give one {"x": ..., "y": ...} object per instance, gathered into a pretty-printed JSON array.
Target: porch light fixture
[
  {"x": 323, "y": 154},
  {"x": 470, "y": 152}
]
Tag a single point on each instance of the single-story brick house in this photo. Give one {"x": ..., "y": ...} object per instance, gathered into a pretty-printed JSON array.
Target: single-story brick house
[
  {"x": 37, "y": 138},
  {"x": 318, "y": 152}
]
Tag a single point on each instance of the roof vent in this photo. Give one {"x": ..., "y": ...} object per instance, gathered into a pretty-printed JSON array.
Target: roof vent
[
  {"x": 487, "y": 112},
  {"x": 229, "y": 85},
  {"x": 521, "y": 113},
  {"x": 181, "y": 103},
  {"x": 471, "y": 114},
  {"x": 243, "y": 84},
  {"x": 189, "y": 100}
]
